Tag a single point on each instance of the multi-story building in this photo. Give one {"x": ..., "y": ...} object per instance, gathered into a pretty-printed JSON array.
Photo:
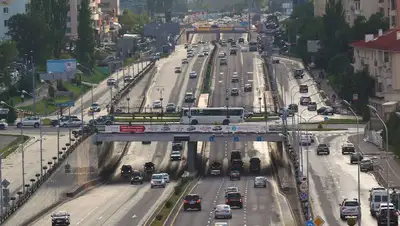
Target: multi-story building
[
  {"x": 72, "y": 19},
  {"x": 380, "y": 54},
  {"x": 8, "y": 9}
]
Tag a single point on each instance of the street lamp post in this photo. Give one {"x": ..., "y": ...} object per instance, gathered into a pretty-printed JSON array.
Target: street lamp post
[
  {"x": 358, "y": 162},
  {"x": 373, "y": 109},
  {"x": 40, "y": 131},
  {"x": 22, "y": 144}
]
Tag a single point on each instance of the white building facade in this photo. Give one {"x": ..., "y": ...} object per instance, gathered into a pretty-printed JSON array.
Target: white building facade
[{"x": 9, "y": 8}]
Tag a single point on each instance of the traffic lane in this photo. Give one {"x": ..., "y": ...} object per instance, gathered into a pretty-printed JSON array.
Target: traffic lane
[
  {"x": 163, "y": 83},
  {"x": 99, "y": 91},
  {"x": 333, "y": 179},
  {"x": 194, "y": 84},
  {"x": 382, "y": 165},
  {"x": 209, "y": 190},
  {"x": 135, "y": 95},
  {"x": 54, "y": 188}
]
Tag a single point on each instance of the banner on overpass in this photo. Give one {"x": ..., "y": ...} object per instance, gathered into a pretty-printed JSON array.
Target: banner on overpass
[
  {"x": 203, "y": 29},
  {"x": 240, "y": 29},
  {"x": 225, "y": 29},
  {"x": 186, "y": 128}
]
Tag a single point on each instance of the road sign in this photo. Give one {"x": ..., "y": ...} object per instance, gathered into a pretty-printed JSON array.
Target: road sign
[
  {"x": 236, "y": 138},
  {"x": 326, "y": 118},
  {"x": 259, "y": 138},
  {"x": 234, "y": 128},
  {"x": 355, "y": 96},
  {"x": 212, "y": 139},
  {"x": 66, "y": 104},
  {"x": 5, "y": 183},
  {"x": 318, "y": 221},
  {"x": 303, "y": 197},
  {"x": 310, "y": 223},
  {"x": 132, "y": 129}
]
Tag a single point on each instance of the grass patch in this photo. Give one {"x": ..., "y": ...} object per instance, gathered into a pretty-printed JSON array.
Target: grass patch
[
  {"x": 11, "y": 147},
  {"x": 208, "y": 77},
  {"x": 95, "y": 78},
  {"x": 169, "y": 204},
  {"x": 338, "y": 121}
]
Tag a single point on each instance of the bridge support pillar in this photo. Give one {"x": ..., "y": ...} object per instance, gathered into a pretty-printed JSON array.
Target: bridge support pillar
[
  {"x": 191, "y": 158},
  {"x": 187, "y": 37}
]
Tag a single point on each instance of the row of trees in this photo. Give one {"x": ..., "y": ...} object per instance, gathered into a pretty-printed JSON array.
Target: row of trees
[
  {"x": 41, "y": 31},
  {"x": 133, "y": 23},
  {"x": 335, "y": 55}
]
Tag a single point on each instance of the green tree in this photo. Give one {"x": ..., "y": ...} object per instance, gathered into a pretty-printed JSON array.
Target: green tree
[
  {"x": 86, "y": 39},
  {"x": 133, "y": 23},
  {"x": 8, "y": 53},
  {"x": 363, "y": 26},
  {"x": 29, "y": 33}
]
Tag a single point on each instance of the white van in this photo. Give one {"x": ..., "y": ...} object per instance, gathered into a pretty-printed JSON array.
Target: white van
[
  {"x": 377, "y": 197},
  {"x": 305, "y": 140}
]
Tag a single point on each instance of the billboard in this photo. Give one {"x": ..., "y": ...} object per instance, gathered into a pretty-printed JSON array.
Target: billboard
[{"x": 61, "y": 66}]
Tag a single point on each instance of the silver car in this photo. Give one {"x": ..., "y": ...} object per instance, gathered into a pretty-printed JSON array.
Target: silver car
[
  {"x": 260, "y": 182},
  {"x": 222, "y": 211}
]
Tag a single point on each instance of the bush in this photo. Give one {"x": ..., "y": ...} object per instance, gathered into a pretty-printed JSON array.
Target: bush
[
  {"x": 168, "y": 204},
  {"x": 177, "y": 189}
]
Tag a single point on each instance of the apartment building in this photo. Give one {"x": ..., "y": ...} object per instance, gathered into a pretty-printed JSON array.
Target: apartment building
[
  {"x": 72, "y": 20},
  {"x": 380, "y": 54},
  {"x": 8, "y": 9}
]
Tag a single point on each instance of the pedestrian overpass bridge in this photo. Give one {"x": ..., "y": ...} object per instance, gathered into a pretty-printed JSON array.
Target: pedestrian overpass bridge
[
  {"x": 217, "y": 30},
  {"x": 190, "y": 134},
  {"x": 179, "y": 132}
]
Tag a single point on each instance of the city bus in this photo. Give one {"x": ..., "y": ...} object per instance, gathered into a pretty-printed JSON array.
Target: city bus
[{"x": 214, "y": 115}]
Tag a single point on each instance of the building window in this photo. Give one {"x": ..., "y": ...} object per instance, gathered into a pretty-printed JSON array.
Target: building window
[
  {"x": 380, "y": 87},
  {"x": 68, "y": 19},
  {"x": 5, "y": 10},
  {"x": 5, "y": 23},
  {"x": 385, "y": 57},
  {"x": 392, "y": 4},
  {"x": 68, "y": 30},
  {"x": 382, "y": 10}
]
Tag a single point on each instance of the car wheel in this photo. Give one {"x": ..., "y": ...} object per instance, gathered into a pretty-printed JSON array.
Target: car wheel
[
  {"x": 194, "y": 122},
  {"x": 151, "y": 186},
  {"x": 19, "y": 125},
  {"x": 36, "y": 125},
  {"x": 184, "y": 209},
  {"x": 199, "y": 209},
  {"x": 226, "y": 122},
  {"x": 108, "y": 123},
  {"x": 2, "y": 127}
]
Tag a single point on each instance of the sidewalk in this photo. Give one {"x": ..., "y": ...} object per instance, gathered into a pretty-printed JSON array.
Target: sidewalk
[{"x": 381, "y": 165}]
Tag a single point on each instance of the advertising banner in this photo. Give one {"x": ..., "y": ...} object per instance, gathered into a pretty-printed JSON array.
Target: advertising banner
[
  {"x": 186, "y": 128},
  {"x": 61, "y": 66}
]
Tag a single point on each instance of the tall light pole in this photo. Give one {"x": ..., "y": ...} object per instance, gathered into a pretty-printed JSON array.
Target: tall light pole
[
  {"x": 358, "y": 162},
  {"x": 308, "y": 175},
  {"x": 40, "y": 132},
  {"x": 22, "y": 143},
  {"x": 373, "y": 109}
]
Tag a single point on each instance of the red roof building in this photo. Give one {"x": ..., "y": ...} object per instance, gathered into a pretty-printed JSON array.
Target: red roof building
[{"x": 380, "y": 54}]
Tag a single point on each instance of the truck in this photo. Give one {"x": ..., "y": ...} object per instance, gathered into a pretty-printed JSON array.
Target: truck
[
  {"x": 255, "y": 165},
  {"x": 236, "y": 161},
  {"x": 216, "y": 168},
  {"x": 148, "y": 169}
]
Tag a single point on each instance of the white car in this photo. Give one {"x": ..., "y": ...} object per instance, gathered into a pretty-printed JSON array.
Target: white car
[
  {"x": 193, "y": 74},
  {"x": 201, "y": 55},
  {"x": 350, "y": 208},
  {"x": 157, "y": 104},
  {"x": 158, "y": 180},
  {"x": 190, "y": 55},
  {"x": 111, "y": 82},
  {"x": 221, "y": 224},
  {"x": 260, "y": 182},
  {"x": 222, "y": 211},
  {"x": 3, "y": 124},
  {"x": 29, "y": 121},
  {"x": 244, "y": 49},
  {"x": 175, "y": 156},
  {"x": 166, "y": 177}
]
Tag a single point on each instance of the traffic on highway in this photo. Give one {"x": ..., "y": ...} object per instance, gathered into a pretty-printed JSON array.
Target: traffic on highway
[{"x": 215, "y": 85}]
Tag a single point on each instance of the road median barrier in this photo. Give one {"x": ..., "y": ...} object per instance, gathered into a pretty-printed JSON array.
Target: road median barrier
[{"x": 336, "y": 121}]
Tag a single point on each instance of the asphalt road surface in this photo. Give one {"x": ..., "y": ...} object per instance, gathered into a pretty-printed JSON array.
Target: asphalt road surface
[
  {"x": 130, "y": 204},
  {"x": 260, "y": 205}
]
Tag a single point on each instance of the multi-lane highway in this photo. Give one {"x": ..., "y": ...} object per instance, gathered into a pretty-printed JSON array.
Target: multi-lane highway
[
  {"x": 130, "y": 204},
  {"x": 261, "y": 206}
]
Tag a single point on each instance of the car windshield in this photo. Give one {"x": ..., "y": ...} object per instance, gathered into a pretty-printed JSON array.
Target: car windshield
[
  {"x": 60, "y": 214},
  {"x": 234, "y": 195},
  {"x": 136, "y": 173},
  {"x": 259, "y": 178},
  {"x": 232, "y": 189},
  {"x": 192, "y": 197},
  {"x": 125, "y": 168},
  {"x": 170, "y": 105},
  {"x": 95, "y": 105},
  {"x": 351, "y": 203},
  {"x": 379, "y": 198},
  {"x": 158, "y": 176}
]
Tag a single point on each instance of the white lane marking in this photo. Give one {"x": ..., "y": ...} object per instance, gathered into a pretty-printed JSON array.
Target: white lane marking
[
  {"x": 245, "y": 203},
  {"x": 87, "y": 215},
  {"x": 210, "y": 216},
  {"x": 134, "y": 216}
]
